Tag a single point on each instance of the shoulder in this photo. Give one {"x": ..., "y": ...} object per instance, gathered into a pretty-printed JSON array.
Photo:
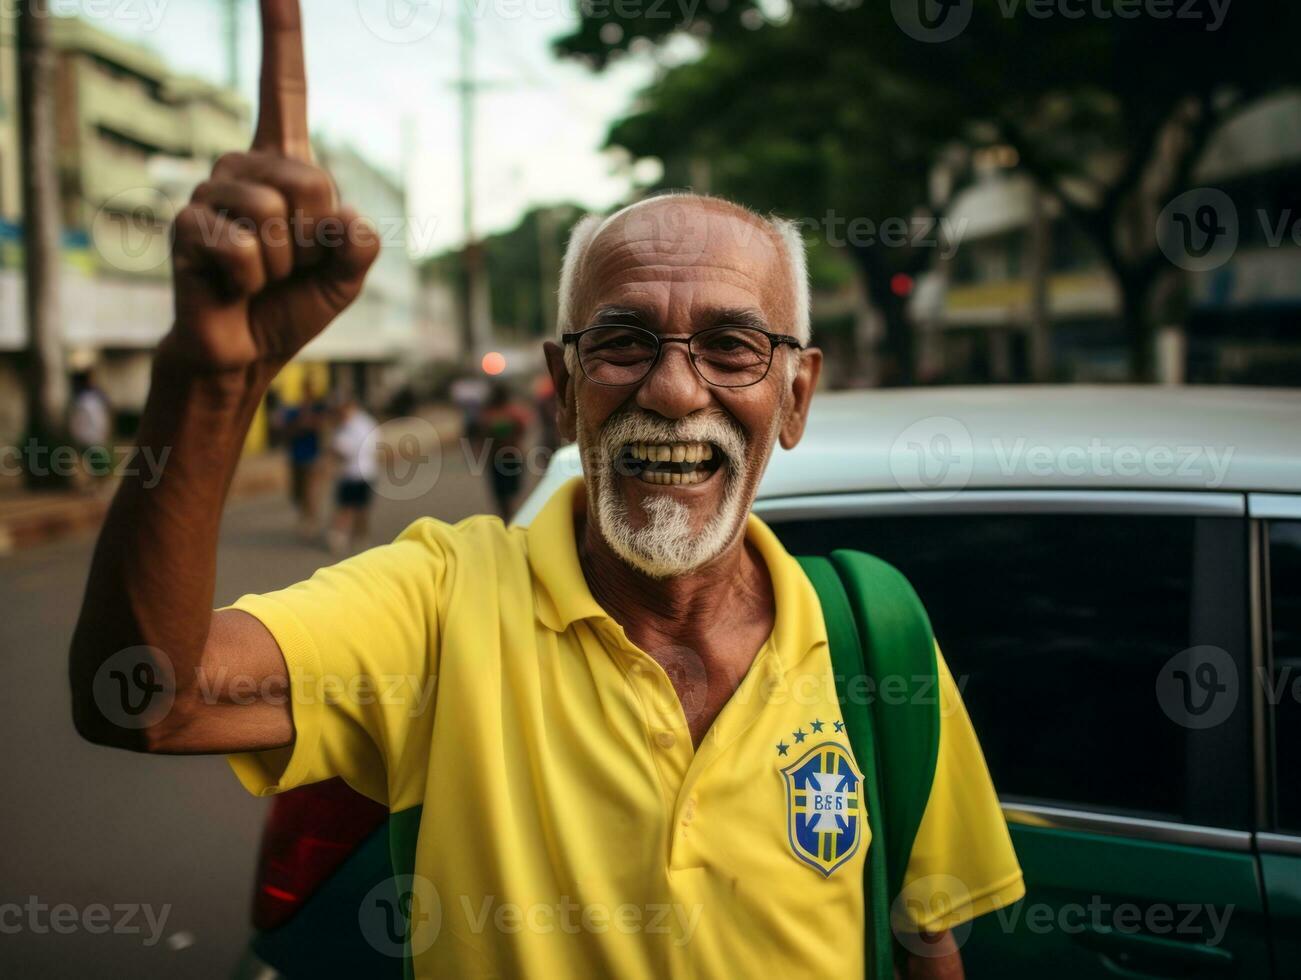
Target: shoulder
[{"x": 482, "y": 538}]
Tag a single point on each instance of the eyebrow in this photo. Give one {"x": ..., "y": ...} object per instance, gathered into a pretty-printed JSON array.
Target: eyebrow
[{"x": 628, "y": 315}]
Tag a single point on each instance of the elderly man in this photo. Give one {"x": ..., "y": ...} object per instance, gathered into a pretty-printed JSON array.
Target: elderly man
[{"x": 593, "y": 711}]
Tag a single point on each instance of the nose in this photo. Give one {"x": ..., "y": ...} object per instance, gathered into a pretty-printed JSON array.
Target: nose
[{"x": 673, "y": 389}]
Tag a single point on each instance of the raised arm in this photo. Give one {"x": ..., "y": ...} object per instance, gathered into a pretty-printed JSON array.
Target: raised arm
[{"x": 264, "y": 257}]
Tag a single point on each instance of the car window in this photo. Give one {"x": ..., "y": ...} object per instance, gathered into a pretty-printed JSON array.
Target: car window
[
  {"x": 1058, "y": 628},
  {"x": 1285, "y": 631}
]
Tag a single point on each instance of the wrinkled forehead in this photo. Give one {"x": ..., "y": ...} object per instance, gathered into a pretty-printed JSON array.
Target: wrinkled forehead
[{"x": 681, "y": 259}]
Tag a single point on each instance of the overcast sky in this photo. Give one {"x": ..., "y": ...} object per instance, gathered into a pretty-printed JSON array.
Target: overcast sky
[{"x": 375, "y": 65}]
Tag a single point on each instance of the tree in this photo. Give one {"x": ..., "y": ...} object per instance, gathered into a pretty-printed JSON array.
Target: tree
[
  {"x": 1108, "y": 106},
  {"x": 770, "y": 113},
  {"x": 523, "y": 269},
  {"x": 47, "y": 383}
]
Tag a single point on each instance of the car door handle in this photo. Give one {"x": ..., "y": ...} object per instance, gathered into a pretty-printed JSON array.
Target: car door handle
[{"x": 1136, "y": 956}]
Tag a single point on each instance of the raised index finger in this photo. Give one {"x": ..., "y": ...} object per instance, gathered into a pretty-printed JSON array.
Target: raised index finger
[{"x": 282, "y": 108}]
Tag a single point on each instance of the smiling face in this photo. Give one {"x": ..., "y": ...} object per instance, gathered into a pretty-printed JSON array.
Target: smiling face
[{"x": 672, "y": 462}]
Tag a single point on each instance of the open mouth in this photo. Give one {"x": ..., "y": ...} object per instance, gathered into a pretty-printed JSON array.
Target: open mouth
[{"x": 670, "y": 463}]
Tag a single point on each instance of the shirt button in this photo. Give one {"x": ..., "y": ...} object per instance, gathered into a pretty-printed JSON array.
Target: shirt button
[{"x": 665, "y": 740}]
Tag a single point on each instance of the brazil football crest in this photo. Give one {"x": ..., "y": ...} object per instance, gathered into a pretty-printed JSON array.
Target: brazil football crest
[{"x": 823, "y": 810}]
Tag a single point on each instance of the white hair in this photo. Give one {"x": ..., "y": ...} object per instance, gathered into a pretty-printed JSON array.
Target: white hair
[{"x": 586, "y": 230}]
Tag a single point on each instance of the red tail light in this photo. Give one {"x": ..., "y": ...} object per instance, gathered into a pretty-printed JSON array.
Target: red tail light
[{"x": 311, "y": 831}]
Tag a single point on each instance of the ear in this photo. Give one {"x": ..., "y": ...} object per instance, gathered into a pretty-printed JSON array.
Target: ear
[
  {"x": 803, "y": 385},
  {"x": 566, "y": 419}
]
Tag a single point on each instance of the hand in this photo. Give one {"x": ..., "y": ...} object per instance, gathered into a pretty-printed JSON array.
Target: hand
[{"x": 264, "y": 256}]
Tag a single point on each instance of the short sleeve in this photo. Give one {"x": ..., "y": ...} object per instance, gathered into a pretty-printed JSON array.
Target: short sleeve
[
  {"x": 962, "y": 862},
  {"x": 360, "y": 640}
]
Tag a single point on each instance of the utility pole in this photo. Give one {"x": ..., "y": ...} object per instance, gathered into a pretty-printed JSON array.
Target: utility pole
[
  {"x": 46, "y": 374},
  {"x": 548, "y": 268},
  {"x": 231, "y": 39},
  {"x": 477, "y": 308},
  {"x": 1040, "y": 322}
]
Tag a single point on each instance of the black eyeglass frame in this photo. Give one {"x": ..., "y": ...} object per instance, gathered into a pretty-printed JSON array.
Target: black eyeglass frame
[{"x": 775, "y": 339}]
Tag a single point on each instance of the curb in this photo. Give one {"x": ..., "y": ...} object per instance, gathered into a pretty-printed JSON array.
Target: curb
[{"x": 48, "y": 520}]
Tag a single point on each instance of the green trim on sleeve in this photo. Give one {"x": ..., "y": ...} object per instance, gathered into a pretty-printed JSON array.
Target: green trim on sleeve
[{"x": 276, "y": 770}]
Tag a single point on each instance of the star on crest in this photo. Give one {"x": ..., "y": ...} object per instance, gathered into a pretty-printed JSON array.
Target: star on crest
[
  {"x": 816, "y": 725},
  {"x": 840, "y": 726},
  {"x": 799, "y": 735},
  {"x": 781, "y": 748}
]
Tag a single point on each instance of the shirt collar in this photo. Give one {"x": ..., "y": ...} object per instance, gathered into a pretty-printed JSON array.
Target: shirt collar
[{"x": 563, "y": 597}]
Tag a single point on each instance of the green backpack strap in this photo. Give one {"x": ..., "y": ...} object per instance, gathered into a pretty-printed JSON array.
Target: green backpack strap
[
  {"x": 847, "y": 662},
  {"x": 899, "y": 653}
]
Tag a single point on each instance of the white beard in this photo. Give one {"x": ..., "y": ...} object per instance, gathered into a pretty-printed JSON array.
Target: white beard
[{"x": 667, "y": 544}]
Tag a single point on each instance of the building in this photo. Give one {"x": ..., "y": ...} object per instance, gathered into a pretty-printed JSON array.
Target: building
[
  {"x": 1018, "y": 264},
  {"x": 134, "y": 138}
]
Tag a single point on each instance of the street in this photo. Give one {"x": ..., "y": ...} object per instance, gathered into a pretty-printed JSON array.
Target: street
[{"x": 148, "y": 862}]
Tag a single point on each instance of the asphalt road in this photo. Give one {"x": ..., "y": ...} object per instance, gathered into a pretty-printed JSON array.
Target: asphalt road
[{"x": 115, "y": 865}]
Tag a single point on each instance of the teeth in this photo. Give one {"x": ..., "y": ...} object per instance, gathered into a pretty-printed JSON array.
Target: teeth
[{"x": 695, "y": 452}]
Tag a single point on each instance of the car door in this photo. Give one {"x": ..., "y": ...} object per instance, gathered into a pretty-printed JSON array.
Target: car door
[
  {"x": 1279, "y": 843},
  {"x": 1102, "y": 644}
]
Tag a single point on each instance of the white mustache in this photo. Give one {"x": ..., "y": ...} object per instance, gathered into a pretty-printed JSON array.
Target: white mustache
[{"x": 641, "y": 426}]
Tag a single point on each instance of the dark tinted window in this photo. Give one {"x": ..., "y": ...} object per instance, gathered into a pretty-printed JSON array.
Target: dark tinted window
[
  {"x": 1285, "y": 627},
  {"x": 1057, "y": 627}
]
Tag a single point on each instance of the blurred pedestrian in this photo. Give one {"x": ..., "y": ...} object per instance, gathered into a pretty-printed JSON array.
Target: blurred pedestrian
[
  {"x": 544, "y": 398},
  {"x": 90, "y": 423},
  {"x": 358, "y": 465},
  {"x": 469, "y": 394},
  {"x": 504, "y": 423},
  {"x": 302, "y": 426}
]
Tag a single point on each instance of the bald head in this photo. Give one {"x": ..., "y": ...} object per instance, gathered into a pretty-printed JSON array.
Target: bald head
[{"x": 683, "y": 257}]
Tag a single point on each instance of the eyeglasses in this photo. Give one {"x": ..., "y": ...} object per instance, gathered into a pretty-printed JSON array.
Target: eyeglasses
[{"x": 727, "y": 357}]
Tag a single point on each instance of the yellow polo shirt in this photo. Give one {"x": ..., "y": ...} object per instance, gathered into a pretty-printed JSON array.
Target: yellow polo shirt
[{"x": 569, "y": 827}]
